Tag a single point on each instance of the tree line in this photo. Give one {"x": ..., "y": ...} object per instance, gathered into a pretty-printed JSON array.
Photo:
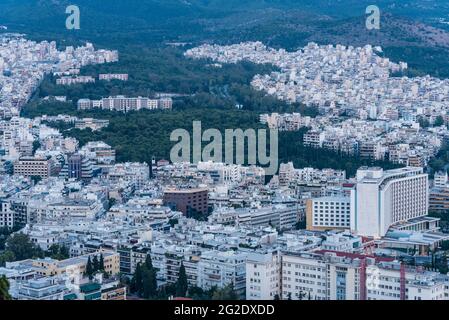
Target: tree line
[
  {"x": 18, "y": 246},
  {"x": 144, "y": 285},
  {"x": 94, "y": 266}
]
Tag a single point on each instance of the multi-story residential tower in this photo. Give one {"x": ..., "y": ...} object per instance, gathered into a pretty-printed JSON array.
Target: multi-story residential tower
[{"x": 263, "y": 274}]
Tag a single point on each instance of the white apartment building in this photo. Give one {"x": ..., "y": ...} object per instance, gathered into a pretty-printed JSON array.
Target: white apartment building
[
  {"x": 74, "y": 209},
  {"x": 303, "y": 275},
  {"x": 384, "y": 198},
  {"x": 263, "y": 272},
  {"x": 229, "y": 174},
  {"x": 284, "y": 122},
  {"x": 113, "y": 76},
  {"x": 75, "y": 80},
  {"x": 221, "y": 172},
  {"x": 341, "y": 241},
  {"x": 125, "y": 104},
  {"x": 440, "y": 179},
  {"x": 327, "y": 275},
  {"x": 93, "y": 124},
  {"x": 44, "y": 235},
  {"x": 370, "y": 150},
  {"x": 220, "y": 269},
  {"x": 6, "y": 215},
  {"x": 165, "y": 103},
  {"x": 41, "y": 289},
  {"x": 328, "y": 213},
  {"x": 281, "y": 216},
  {"x": 99, "y": 152},
  {"x": 84, "y": 104},
  {"x": 314, "y": 139},
  {"x": 139, "y": 173},
  {"x": 286, "y": 173},
  {"x": 384, "y": 282}
]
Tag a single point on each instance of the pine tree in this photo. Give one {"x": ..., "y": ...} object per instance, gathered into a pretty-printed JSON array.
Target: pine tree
[
  {"x": 4, "y": 289},
  {"x": 181, "y": 284},
  {"x": 89, "y": 268}
]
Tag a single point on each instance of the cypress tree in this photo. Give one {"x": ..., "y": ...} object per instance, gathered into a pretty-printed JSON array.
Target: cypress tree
[
  {"x": 101, "y": 263},
  {"x": 149, "y": 262},
  {"x": 4, "y": 289},
  {"x": 152, "y": 275},
  {"x": 153, "y": 282},
  {"x": 89, "y": 268},
  {"x": 182, "y": 284},
  {"x": 145, "y": 283},
  {"x": 149, "y": 288},
  {"x": 95, "y": 264},
  {"x": 136, "y": 281}
]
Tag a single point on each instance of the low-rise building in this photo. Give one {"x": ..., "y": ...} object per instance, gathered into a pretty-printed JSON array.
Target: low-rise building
[
  {"x": 113, "y": 76},
  {"x": 41, "y": 289}
]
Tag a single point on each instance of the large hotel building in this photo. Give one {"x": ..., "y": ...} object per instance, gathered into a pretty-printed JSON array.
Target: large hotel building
[{"x": 382, "y": 199}]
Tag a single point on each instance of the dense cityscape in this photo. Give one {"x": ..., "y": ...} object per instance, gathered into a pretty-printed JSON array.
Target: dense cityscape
[
  {"x": 364, "y": 110},
  {"x": 78, "y": 224}
]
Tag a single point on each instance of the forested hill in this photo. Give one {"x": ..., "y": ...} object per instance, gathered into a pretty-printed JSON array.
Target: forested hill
[{"x": 287, "y": 23}]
